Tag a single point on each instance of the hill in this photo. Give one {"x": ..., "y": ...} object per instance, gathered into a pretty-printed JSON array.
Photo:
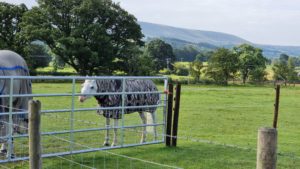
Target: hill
[
  {"x": 194, "y": 36},
  {"x": 208, "y": 40}
]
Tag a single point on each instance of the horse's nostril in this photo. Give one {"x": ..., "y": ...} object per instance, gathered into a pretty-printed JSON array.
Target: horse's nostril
[{"x": 82, "y": 98}]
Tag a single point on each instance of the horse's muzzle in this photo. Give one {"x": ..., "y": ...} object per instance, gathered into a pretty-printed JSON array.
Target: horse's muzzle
[{"x": 82, "y": 98}]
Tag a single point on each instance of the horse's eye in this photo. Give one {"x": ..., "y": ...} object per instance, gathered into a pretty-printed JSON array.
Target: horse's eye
[{"x": 92, "y": 87}]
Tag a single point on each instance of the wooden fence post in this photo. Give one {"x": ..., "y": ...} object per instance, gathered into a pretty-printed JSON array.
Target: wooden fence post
[
  {"x": 169, "y": 115},
  {"x": 276, "y": 106},
  {"x": 266, "y": 148},
  {"x": 34, "y": 110},
  {"x": 176, "y": 114}
]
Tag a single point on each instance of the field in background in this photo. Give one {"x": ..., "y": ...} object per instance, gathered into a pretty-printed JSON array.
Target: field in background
[
  {"x": 217, "y": 129},
  {"x": 50, "y": 69},
  {"x": 68, "y": 69}
]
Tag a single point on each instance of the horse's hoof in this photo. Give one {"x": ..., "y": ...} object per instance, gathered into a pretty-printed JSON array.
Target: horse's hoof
[
  {"x": 3, "y": 151},
  {"x": 12, "y": 156},
  {"x": 106, "y": 144},
  {"x": 113, "y": 145}
]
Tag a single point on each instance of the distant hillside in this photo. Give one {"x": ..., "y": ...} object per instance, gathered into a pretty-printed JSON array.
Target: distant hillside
[
  {"x": 208, "y": 40},
  {"x": 195, "y": 36},
  {"x": 274, "y": 51}
]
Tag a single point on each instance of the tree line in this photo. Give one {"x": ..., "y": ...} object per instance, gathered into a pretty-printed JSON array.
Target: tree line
[
  {"x": 99, "y": 37},
  {"x": 243, "y": 62},
  {"x": 95, "y": 37}
]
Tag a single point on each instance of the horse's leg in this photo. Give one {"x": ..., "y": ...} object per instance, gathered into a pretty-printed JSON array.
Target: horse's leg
[
  {"x": 3, "y": 148},
  {"x": 106, "y": 142},
  {"x": 153, "y": 116},
  {"x": 3, "y": 132},
  {"x": 12, "y": 148},
  {"x": 142, "y": 115},
  {"x": 115, "y": 141}
]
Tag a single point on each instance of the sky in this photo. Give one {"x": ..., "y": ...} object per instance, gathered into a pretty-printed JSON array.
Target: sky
[{"x": 274, "y": 22}]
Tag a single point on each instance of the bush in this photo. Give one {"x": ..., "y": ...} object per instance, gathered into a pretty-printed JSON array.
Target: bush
[
  {"x": 182, "y": 71},
  {"x": 165, "y": 71}
]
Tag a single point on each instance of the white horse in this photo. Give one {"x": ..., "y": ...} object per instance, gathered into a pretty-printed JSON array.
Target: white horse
[
  {"x": 12, "y": 64},
  {"x": 102, "y": 86}
]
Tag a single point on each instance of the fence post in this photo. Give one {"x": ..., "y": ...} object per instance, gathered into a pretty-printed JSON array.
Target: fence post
[
  {"x": 176, "y": 114},
  {"x": 276, "y": 106},
  {"x": 34, "y": 110},
  {"x": 169, "y": 115},
  {"x": 266, "y": 148}
]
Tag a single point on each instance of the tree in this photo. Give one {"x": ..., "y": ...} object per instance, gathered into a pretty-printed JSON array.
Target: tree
[
  {"x": 284, "y": 68},
  {"x": 204, "y": 56},
  {"x": 195, "y": 70},
  {"x": 38, "y": 55},
  {"x": 292, "y": 74},
  {"x": 280, "y": 70},
  {"x": 181, "y": 69},
  {"x": 187, "y": 53},
  {"x": 251, "y": 60},
  {"x": 161, "y": 54},
  {"x": 222, "y": 65},
  {"x": 258, "y": 75},
  {"x": 284, "y": 57},
  {"x": 10, "y": 37},
  {"x": 139, "y": 64},
  {"x": 297, "y": 61},
  {"x": 92, "y": 36}
]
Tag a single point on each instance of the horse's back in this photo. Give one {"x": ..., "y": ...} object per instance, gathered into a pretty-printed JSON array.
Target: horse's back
[
  {"x": 140, "y": 86},
  {"x": 12, "y": 64},
  {"x": 10, "y": 59}
]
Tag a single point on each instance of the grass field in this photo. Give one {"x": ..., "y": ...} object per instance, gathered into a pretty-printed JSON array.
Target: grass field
[{"x": 217, "y": 130}]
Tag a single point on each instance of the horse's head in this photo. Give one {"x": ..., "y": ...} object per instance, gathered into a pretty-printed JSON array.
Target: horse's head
[
  {"x": 20, "y": 125},
  {"x": 88, "y": 87}
]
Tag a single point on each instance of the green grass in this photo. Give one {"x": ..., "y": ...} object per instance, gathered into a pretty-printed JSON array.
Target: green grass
[
  {"x": 217, "y": 129},
  {"x": 66, "y": 69}
]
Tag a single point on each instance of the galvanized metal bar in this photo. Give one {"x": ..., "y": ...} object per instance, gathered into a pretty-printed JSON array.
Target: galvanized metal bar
[
  {"x": 164, "y": 107},
  {"x": 100, "y": 108},
  {"x": 123, "y": 110},
  {"x": 78, "y": 94},
  {"x": 72, "y": 116},
  {"x": 87, "y": 109},
  {"x": 13, "y": 113},
  {"x": 86, "y": 130},
  {"x": 81, "y": 77},
  {"x": 81, "y": 151},
  {"x": 10, "y": 123}
]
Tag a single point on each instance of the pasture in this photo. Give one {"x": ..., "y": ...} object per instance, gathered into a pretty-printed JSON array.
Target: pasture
[{"x": 217, "y": 129}]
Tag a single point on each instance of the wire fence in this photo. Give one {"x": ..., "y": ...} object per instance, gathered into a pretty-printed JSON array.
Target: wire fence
[
  {"x": 217, "y": 129},
  {"x": 69, "y": 128},
  {"x": 59, "y": 161}
]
